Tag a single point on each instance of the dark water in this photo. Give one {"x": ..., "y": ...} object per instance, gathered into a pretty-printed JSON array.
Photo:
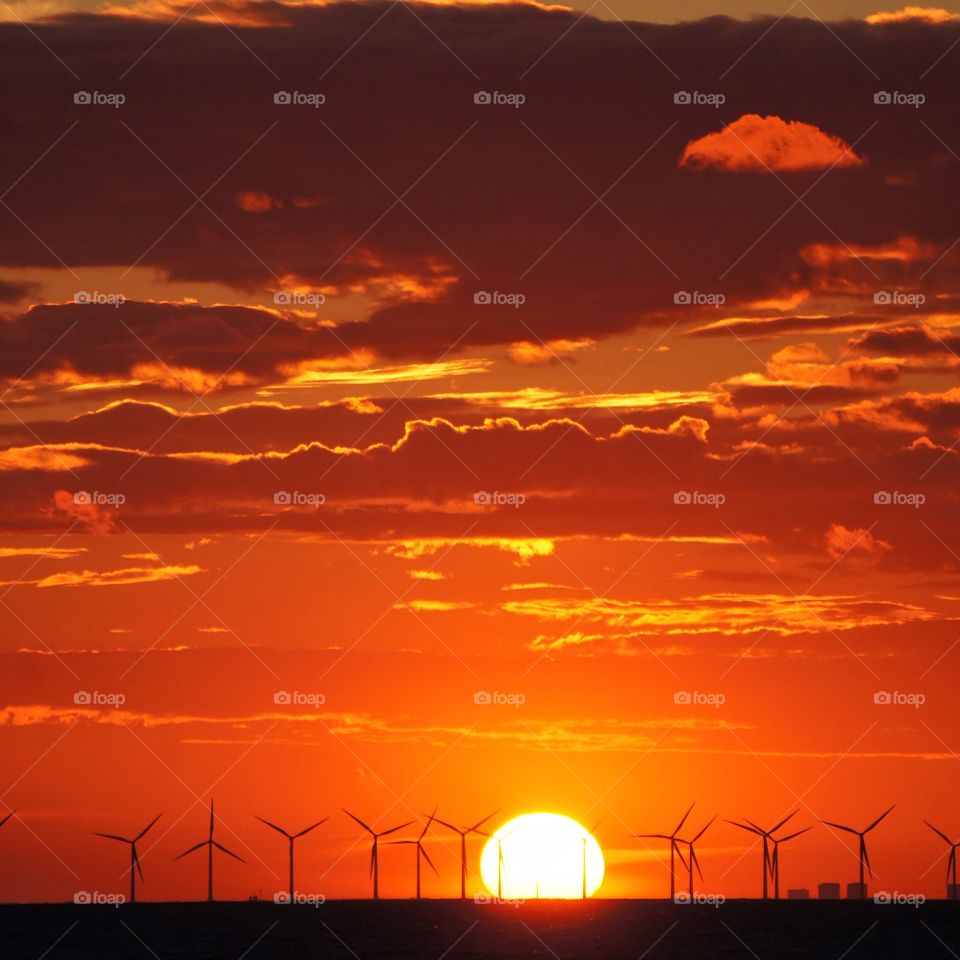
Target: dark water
[{"x": 450, "y": 930}]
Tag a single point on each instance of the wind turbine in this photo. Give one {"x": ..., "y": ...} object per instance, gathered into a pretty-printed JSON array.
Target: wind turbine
[
  {"x": 464, "y": 833},
  {"x": 751, "y": 827},
  {"x": 291, "y": 837},
  {"x": 951, "y": 860},
  {"x": 864, "y": 858},
  {"x": 421, "y": 849},
  {"x": 583, "y": 841},
  {"x": 775, "y": 859},
  {"x": 135, "y": 867},
  {"x": 374, "y": 858},
  {"x": 210, "y": 843},
  {"x": 692, "y": 854},
  {"x": 674, "y": 848}
]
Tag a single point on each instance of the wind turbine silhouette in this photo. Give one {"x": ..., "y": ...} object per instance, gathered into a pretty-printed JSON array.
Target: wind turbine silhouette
[
  {"x": 751, "y": 827},
  {"x": 374, "y": 857},
  {"x": 421, "y": 849},
  {"x": 674, "y": 847},
  {"x": 775, "y": 859},
  {"x": 692, "y": 855},
  {"x": 583, "y": 841},
  {"x": 135, "y": 867},
  {"x": 291, "y": 837},
  {"x": 951, "y": 860},
  {"x": 210, "y": 843},
  {"x": 864, "y": 858},
  {"x": 464, "y": 833}
]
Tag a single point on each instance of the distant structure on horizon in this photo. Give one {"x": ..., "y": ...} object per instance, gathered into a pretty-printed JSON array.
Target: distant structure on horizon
[
  {"x": 798, "y": 893},
  {"x": 829, "y": 891}
]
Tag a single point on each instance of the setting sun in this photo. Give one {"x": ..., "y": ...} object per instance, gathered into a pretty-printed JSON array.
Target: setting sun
[{"x": 542, "y": 855}]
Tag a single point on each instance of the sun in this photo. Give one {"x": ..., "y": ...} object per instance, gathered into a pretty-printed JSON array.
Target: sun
[{"x": 541, "y": 855}]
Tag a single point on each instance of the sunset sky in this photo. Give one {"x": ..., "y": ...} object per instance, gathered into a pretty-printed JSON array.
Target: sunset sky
[{"x": 603, "y": 369}]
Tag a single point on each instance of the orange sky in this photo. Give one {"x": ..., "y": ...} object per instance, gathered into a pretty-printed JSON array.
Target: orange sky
[{"x": 637, "y": 391}]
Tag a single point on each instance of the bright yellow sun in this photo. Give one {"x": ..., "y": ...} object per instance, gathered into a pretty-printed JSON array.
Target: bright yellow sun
[{"x": 541, "y": 855}]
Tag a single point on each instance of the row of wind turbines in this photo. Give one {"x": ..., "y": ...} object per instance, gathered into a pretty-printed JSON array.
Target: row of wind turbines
[
  {"x": 770, "y": 866},
  {"x": 771, "y": 850}
]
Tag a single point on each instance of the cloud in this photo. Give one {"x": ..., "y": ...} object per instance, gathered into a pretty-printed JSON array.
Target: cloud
[
  {"x": 109, "y": 578},
  {"x": 768, "y": 144},
  {"x": 922, "y": 14}
]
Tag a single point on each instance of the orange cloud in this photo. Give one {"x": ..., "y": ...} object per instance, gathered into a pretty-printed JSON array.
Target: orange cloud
[
  {"x": 529, "y": 354},
  {"x": 109, "y": 578},
  {"x": 925, "y": 14},
  {"x": 768, "y": 144}
]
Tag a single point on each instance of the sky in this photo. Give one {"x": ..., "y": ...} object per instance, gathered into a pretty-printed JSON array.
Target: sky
[{"x": 484, "y": 407}]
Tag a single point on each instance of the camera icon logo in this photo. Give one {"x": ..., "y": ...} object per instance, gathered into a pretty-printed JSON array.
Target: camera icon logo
[
  {"x": 882, "y": 697},
  {"x": 482, "y": 898},
  {"x": 283, "y": 298},
  {"x": 681, "y": 897},
  {"x": 682, "y": 697},
  {"x": 482, "y": 697},
  {"x": 282, "y": 498},
  {"x": 481, "y": 296},
  {"x": 883, "y": 97},
  {"x": 282, "y": 96},
  {"x": 82, "y": 97},
  {"x": 82, "y": 698},
  {"x": 282, "y": 897},
  {"x": 682, "y": 96},
  {"x": 283, "y": 698},
  {"x": 482, "y": 97},
  {"x": 81, "y": 296},
  {"x": 882, "y": 497},
  {"x": 82, "y": 498},
  {"x": 882, "y": 298},
  {"x": 682, "y": 297},
  {"x": 482, "y": 498},
  {"x": 81, "y": 896},
  {"x": 682, "y": 497}
]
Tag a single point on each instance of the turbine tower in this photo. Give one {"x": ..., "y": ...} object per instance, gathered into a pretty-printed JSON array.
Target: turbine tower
[
  {"x": 864, "y": 858},
  {"x": 464, "y": 832},
  {"x": 421, "y": 849},
  {"x": 951, "y": 861},
  {"x": 693, "y": 860},
  {"x": 674, "y": 847},
  {"x": 775, "y": 859},
  {"x": 374, "y": 857},
  {"x": 291, "y": 837},
  {"x": 135, "y": 867},
  {"x": 210, "y": 843},
  {"x": 751, "y": 827}
]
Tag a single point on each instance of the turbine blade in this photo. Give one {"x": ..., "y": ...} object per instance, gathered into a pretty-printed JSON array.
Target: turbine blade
[
  {"x": 426, "y": 856},
  {"x": 313, "y": 826},
  {"x": 273, "y": 826},
  {"x": 147, "y": 827},
  {"x": 938, "y": 832},
  {"x": 426, "y": 826},
  {"x": 112, "y": 836},
  {"x": 866, "y": 856},
  {"x": 792, "y": 835},
  {"x": 136, "y": 861},
  {"x": 229, "y": 853},
  {"x": 373, "y": 857},
  {"x": 840, "y": 826},
  {"x": 703, "y": 830},
  {"x": 7, "y": 817},
  {"x": 211, "y": 818},
  {"x": 683, "y": 819},
  {"x": 875, "y": 822},
  {"x": 384, "y": 833},
  {"x": 782, "y": 822},
  {"x": 679, "y": 850},
  {"x": 696, "y": 861},
  {"x": 352, "y": 817},
  {"x": 757, "y": 827},
  {"x": 480, "y": 823},
  {"x": 743, "y": 826},
  {"x": 651, "y": 836},
  {"x": 196, "y": 846},
  {"x": 449, "y": 826}
]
